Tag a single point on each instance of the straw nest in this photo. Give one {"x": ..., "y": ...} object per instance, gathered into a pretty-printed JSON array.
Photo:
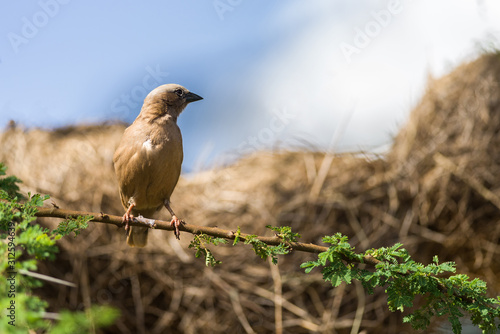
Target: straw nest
[{"x": 437, "y": 191}]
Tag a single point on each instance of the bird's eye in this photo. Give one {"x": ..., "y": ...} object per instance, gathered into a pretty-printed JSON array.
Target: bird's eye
[{"x": 179, "y": 92}]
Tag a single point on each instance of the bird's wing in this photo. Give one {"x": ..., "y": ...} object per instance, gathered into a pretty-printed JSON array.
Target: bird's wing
[{"x": 130, "y": 163}]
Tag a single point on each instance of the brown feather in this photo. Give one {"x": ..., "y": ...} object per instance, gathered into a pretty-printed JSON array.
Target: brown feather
[{"x": 149, "y": 157}]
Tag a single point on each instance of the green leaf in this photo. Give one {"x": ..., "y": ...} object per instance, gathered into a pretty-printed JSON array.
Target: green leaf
[
  {"x": 23, "y": 245},
  {"x": 36, "y": 241},
  {"x": 72, "y": 225},
  {"x": 264, "y": 251},
  {"x": 85, "y": 322},
  {"x": 237, "y": 236},
  {"x": 456, "y": 326},
  {"x": 9, "y": 184},
  {"x": 285, "y": 233},
  {"x": 403, "y": 279},
  {"x": 337, "y": 272},
  {"x": 396, "y": 300},
  {"x": 309, "y": 265},
  {"x": 198, "y": 243}
]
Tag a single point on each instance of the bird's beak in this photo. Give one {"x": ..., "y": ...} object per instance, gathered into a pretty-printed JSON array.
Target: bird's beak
[{"x": 191, "y": 97}]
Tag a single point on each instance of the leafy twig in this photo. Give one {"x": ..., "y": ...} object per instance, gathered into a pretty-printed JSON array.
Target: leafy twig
[{"x": 189, "y": 228}]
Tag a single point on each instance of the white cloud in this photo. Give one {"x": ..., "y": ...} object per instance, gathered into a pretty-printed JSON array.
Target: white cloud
[{"x": 311, "y": 77}]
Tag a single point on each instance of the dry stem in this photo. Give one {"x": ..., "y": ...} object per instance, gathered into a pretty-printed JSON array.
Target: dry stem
[{"x": 193, "y": 229}]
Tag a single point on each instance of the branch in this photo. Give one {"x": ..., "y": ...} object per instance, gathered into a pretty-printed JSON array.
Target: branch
[
  {"x": 165, "y": 225},
  {"x": 457, "y": 291},
  {"x": 211, "y": 231},
  {"x": 100, "y": 217}
]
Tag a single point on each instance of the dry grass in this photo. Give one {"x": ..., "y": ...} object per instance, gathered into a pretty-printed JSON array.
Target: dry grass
[{"x": 437, "y": 191}]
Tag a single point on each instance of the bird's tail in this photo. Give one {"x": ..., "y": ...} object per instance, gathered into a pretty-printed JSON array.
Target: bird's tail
[{"x": 138, "y": 236}]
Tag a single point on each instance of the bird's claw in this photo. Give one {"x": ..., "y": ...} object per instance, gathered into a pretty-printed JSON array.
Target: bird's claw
[
  {"x": 127, "y": 217},
  {"x": 175, "y": 223}
]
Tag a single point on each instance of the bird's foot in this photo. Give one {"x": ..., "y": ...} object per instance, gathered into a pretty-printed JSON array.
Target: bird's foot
[
  {"x": 127, "y": 217},
  {"x": 175, "y": 223}
]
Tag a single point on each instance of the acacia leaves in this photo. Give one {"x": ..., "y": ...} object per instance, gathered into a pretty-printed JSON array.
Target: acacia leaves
[{"x": 403, "y": 279}]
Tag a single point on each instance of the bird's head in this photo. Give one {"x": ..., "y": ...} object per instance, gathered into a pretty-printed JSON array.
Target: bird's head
[{"x": 168, "y": 99}]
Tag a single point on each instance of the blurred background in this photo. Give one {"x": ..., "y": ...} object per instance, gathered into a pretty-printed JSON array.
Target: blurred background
[
  {"x": 316, "y": 76},
  {"x": 272, "y": 73}
]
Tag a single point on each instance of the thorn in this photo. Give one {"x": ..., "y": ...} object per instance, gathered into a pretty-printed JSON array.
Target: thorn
[{"x": 54, "y": 205}]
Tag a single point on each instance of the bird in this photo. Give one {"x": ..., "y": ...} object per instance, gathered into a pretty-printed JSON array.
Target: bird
[{"x": 148, "y": 159}]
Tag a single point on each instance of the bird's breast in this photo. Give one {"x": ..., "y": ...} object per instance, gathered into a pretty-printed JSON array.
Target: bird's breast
[
  {"x": 147, "y": 145},
  {"x": 148, "y": 164}
]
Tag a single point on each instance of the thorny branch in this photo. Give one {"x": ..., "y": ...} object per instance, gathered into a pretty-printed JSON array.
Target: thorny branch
[
  {"x": 56, "y": 212},
  {"x": 189, "y": 228}
]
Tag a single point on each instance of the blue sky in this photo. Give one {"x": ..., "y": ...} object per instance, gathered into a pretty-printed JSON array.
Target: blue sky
[{"x": 326, "y": 74}]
